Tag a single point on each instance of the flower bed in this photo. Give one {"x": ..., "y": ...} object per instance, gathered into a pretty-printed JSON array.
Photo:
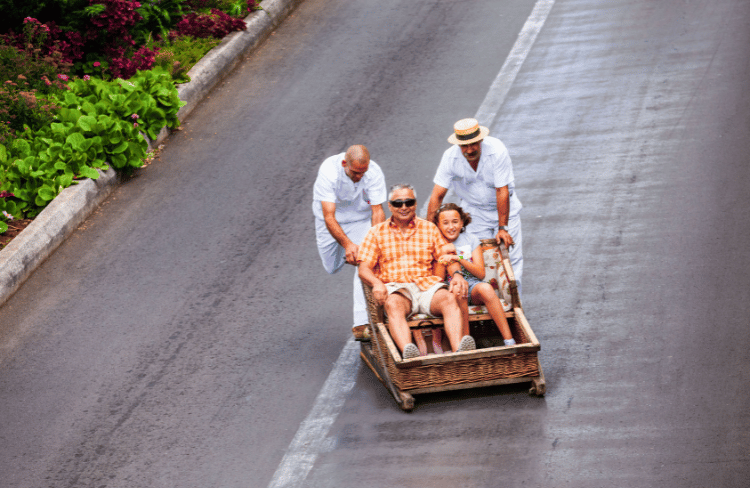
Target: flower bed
[{"x": 78, "y": 89}]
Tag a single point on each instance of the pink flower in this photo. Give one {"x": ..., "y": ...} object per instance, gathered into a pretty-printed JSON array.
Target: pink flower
[
  {"x": 63, "y": 77},
  {"x": 97, "y": 64},
  {"x": 135, "y": 124},
  {"x": 86, "y": 77},
  {"x": 134, "y": 116}
]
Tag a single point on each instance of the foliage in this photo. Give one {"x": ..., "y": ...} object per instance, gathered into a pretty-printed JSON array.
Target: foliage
[
  {"x": 159, "y": 17},
  {"x": 97, "y": 123},
  {"x": 28, "y": 77},
  {"x": 235, "y": 8},
  {"x": 46, "y": 41},
  {"x": 179, "y": 54},
  {"x": 14, "y": 11},
  {"x": 113, "y": 37},
  {"x": 216, "y": 24},
  {"x": 54, "y": 131}
]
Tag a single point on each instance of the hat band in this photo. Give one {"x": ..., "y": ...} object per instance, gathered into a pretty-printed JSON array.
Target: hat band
[{"x": 466, "y": 137}]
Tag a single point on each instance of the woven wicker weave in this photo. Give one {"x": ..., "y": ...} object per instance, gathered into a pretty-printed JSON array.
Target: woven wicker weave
[
  {"x": 482, "y": 365},
  {"x": 472, "y": 369}
]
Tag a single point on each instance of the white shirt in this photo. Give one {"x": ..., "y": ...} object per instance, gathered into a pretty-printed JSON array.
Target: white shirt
[
  {"x": 353, "y": 200},
  {"x": 465, "y": 244},
  {"x": 477, "y": 188}
]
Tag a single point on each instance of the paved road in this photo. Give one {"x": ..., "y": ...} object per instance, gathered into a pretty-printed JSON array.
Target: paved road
[{"x": 163, "y": 345}]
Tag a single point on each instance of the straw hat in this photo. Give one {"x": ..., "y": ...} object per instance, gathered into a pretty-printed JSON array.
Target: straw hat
[{"x": 467, "y": 131}]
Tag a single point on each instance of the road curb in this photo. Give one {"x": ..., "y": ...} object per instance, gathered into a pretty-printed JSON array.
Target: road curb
[{"x": 28, "y": 250}]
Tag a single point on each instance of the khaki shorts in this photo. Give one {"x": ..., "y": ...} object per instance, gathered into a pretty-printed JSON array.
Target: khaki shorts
[{"x": 420, "y": 300}]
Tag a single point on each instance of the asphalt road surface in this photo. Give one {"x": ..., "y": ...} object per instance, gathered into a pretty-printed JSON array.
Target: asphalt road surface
[{"x": 182, "y": 336}]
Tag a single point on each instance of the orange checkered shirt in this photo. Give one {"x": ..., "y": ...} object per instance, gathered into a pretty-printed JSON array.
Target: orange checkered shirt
[{"x": 403, "y": 258}]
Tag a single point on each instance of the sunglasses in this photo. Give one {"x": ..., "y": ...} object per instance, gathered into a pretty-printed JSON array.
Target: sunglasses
[{"x": 409, "y": 202}]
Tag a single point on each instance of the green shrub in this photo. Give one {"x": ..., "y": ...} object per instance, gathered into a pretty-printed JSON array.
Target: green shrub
[
  {"x": 58, "y": 11},
  {"x": 97, "y": 123},
  {"x": 180, "y": 54},
  {"x": 26, "y": 80}
]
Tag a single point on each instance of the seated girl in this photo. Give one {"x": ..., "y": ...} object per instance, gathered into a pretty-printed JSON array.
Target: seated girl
[{"x": 466, "y": 249}]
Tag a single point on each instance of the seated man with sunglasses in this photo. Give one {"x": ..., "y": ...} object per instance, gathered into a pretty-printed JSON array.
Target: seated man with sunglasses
[{"x": 396, "y": 260}]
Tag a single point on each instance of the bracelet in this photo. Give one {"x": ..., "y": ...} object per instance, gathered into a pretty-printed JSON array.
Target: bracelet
[{"x": 459, "y": 272}]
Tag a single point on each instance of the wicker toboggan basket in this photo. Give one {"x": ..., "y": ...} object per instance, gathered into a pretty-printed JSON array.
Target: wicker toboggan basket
[
  {"x": 445, "y": 371},
  {"x": 485, "y": 366}
]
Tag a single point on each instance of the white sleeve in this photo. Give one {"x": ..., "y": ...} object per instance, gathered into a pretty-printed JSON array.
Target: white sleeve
[
  {"x": 502, "y": 169},
  {"x": 443, "y": 176},
  {"x": 376, "y": 190},
  {"x": 324, "y": 189}
]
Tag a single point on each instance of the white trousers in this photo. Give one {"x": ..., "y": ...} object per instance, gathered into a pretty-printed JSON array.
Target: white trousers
[
  {"x": 333, "y": 256},
  {"x": 484, "y": 231}
]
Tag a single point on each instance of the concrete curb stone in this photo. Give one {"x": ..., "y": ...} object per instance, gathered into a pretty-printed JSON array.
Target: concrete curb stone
[{"x": 61, "y": 217}]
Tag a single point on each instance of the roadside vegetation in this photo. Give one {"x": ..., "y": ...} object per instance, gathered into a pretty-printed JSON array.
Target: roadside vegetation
[{"x": 82, "y": 80}]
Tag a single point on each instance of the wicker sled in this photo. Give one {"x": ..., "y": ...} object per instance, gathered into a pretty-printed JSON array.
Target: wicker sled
[{"x": 492, "y": 363}]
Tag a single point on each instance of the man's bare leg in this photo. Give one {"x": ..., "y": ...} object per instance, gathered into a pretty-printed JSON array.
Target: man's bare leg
[
  {"x": 397, "y": 307},
  {"x": 463, "y": 305},
  {"x": 444, "y": 303}
]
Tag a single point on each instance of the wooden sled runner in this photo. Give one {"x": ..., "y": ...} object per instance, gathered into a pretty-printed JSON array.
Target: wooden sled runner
[{"x": 492, "y": 363}]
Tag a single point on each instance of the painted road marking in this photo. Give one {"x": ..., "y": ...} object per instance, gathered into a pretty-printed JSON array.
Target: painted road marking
[
  {"x": 499, "y": 89},
  {"x": 310, "y": 439},
  {"x": 311, "y": 436}
]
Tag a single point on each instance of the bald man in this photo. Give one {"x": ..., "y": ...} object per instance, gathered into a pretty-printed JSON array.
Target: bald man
[{"x": 348, "y": 198}]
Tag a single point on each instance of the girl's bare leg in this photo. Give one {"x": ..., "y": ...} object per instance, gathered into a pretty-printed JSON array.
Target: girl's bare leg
[{"x": 484, "y": 294}]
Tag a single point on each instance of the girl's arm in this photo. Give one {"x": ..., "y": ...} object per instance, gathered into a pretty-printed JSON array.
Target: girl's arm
[
  {"x": 476, "y": 265},
  {"x": 439, "y": 270}
]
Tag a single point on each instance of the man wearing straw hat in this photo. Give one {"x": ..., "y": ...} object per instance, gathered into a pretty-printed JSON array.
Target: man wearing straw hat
[
  {"x": 479, "y": 171},
  {"x": 348, "y": 198}
]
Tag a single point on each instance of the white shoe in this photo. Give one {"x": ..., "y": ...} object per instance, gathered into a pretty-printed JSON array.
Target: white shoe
[
  {"x": 467, "y": 344},
  {"x": 411, "y": 351}
]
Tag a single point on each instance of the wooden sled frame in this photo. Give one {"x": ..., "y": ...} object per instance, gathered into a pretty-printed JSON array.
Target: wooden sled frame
[{"x": 488, "y": 366}]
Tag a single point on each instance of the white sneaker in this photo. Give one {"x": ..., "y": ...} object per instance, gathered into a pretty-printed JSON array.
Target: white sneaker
[
  {"x": 467, "y": 344},
  {"x": 411, "y": 351}
]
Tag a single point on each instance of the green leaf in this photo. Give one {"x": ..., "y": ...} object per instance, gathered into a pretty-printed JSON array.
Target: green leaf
[
  {"x": 65, "y": 180},
  {"x": 88, "y": 108},
  {"x": 24, "y": 165},
  {"x": 3, "y": 154},
  {"x": 54, "y": 149},
  {"x": 70, "y": 115},
  {"x": 21, "y": 147},
  {"x": 120, "y": 148},
  {"x": 87, "y": 122},
  {"x": 119, "y": 160},
  {"x": 47, "y": 193},
  {"x": 3, "y": 226},
  {"x": 76, "y": 141},
  {"x": 88, "y": 172}
]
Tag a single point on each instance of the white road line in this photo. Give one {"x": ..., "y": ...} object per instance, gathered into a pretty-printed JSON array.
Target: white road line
[
  {"x": 310, "y": 439},
  {"x": 311, "y": 436},
  {"x": 507, "y": 75}
]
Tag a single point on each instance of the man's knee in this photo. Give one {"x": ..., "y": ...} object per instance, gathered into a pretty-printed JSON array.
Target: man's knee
[
  {"x": 444, "y": 301},
  {"x": 397, "y": 304}
]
